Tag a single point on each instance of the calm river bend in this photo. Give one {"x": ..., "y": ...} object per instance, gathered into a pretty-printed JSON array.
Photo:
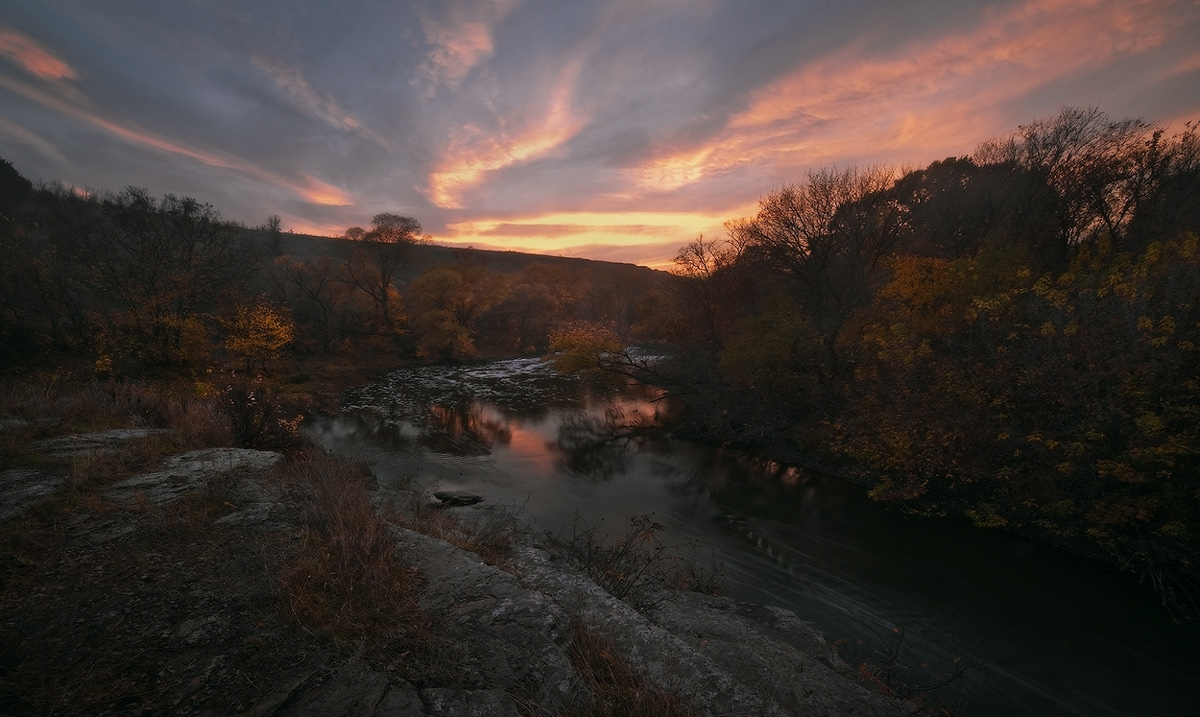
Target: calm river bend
[{"x": 1044, "y": 633}]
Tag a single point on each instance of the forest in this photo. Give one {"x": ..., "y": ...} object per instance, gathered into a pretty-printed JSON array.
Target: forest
[{"x": 1011, "y": 335}]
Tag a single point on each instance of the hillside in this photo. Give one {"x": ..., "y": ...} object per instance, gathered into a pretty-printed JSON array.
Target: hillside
[{"x": 309, "y": 247}]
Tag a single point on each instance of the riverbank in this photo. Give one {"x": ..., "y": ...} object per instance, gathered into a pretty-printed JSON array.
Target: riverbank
[{"x": 145, "y": 573}]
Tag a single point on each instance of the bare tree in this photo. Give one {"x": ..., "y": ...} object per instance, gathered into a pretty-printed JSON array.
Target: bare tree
[
  {"x": 1081, "y": 174},
  {"x": 828, "y": 235}
]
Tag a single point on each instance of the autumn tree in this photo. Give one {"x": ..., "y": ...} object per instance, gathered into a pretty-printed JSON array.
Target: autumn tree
[
  {"x": 447, "y": 302},
  {"x": 257, "y": 333},
  {"x": 377, "y": 255},
  {"x": 157, "y": 268},
  {"x": 1081, "y": 177},
  {"x": 541, "y": 297},
  {"x": 18, "y": 295},
  {"x": 584, "y": 347}
]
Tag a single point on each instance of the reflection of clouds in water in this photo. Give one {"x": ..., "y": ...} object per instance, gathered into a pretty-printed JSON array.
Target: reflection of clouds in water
[
  {"x": 532, "y": 446},
  {"x": 540, "y": 417}
]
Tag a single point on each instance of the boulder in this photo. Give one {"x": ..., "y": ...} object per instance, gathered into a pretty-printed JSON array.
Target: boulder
[{"x": 457, "y": 497}]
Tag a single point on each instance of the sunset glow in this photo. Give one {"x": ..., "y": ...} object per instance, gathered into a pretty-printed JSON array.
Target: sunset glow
[
  {"x": 34, "y": 58},
  {"x": 611, "y": 130}
]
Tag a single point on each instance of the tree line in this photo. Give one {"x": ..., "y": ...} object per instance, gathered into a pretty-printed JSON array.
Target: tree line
[
  {"x": 135, "y": 283},
  {"x": 1012, "y": 335}
]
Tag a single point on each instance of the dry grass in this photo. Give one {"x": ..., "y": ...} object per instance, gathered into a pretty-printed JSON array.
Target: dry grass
[
  {"x": 348, "y": 583},
  {"x": 491, "y": 535},
  {"x": 56, "y": 405},
  {"x": 635, "y": 565},
  {"x": 614, "y": 688}
]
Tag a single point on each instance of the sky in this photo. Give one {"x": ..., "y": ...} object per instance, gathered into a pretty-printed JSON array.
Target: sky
[{"x": 608, "y": 129}]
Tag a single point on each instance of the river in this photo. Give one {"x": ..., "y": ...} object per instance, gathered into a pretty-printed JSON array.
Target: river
[{"x": 1024, "y": 630}]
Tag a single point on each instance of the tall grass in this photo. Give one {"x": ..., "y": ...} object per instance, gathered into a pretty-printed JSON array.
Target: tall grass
[{"x": 348, "y": 582}]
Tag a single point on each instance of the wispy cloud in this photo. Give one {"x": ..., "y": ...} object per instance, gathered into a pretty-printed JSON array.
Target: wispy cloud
[
  {"x": 34, "y": 58},
  {"x": 921, "y": 98},
  {"x": 305, "y": 186},
  {"x": 472, "y": 151},
  {"x": 460, "y": 36},
  {"x": 41, "y": 144},
  {"x": 561, "y": 127},
  {"x": 301, "y": 95}
]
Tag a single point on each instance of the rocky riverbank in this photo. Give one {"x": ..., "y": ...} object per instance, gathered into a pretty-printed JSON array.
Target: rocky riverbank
[{"x": 160, "y": 593}]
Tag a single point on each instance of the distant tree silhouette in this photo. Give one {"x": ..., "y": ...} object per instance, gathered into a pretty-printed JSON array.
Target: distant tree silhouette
[{"x": 372, "y": 264}]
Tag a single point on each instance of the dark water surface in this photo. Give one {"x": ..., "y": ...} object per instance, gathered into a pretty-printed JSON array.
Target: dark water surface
[{"x": 1042, "y": 633}]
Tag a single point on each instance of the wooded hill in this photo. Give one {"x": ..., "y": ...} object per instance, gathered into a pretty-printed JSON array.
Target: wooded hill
[{"x": 136, "y": 281}]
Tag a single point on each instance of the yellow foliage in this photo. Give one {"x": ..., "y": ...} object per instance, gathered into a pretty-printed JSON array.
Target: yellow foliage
[
  {"x": 258, "y": 332},
  {"x": 582, "y": 347}
]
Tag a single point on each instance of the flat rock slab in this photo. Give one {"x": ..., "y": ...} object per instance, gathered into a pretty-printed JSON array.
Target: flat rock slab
[
  {"x": 186, "y": 472},
  {"x": 468, "y": 703},
  {"x": 20, "y": 488},
  {"x": 505, "y": 634},
  {"x": 355, "y": 689},
  {"x": 653, "y": 652},
  {"x": 773, "y": 652},
  {"x": 91, "y": 443}
]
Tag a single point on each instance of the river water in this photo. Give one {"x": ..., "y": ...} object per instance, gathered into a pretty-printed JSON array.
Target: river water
[{"x": 1023, "y": 629}]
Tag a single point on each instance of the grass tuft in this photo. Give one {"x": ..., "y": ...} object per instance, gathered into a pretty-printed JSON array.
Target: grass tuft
[
  {"x": 348, "y": 582},
  {"x": 614, "y": 689},
  {"x": 491, "y": 535},
  {"x": 636, "y": 566}
]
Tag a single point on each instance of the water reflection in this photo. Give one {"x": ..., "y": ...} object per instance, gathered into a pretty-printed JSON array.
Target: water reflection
[
  {"x": 1059, "y": 636},
  {"x": 597, "y": 444}
]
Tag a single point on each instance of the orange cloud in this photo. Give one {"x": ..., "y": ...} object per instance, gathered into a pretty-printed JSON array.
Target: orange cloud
[
  {"x": 312, "y": 189},
  {"x": 460, "y": 39},
  {"x": 309, "y": 188},
  {"x": 33, "y": 57},
  {"x": 922, "y": 100},
  {"x": 474, "y": 152},
  {"x": 651, "y": 238}
]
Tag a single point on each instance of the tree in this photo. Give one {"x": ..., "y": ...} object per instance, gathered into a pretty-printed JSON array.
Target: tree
[
  {"x": 541, "y": 297},
  {"x": 378, "y": 254},
  {"x": 319, "y": 298},
  {"x": 584, "y": 347},
  {"x": 828, "y": 236},
  {"x": 257, "y": 333},
  {"x": 155, "y": 269},
  {"x": 702, "y": 291},
  {"x": 273, "y": 226},
  {"x": 1079, "y": 177},
  {"x": 447, "y": 302}
]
